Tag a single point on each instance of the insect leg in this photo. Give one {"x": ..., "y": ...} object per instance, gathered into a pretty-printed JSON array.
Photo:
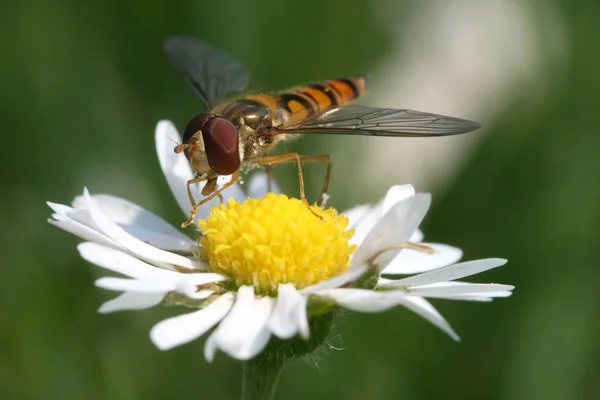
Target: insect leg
[
  {"x": 267, "y": 161},
  {"x": 189, "y": 190},
  {"x": 216, "y": 193},
  {"x": 322, "y": 158},
  {"x": 269, "y": 177}
]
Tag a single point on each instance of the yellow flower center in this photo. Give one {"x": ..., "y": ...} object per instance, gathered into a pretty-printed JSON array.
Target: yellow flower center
[{"x": 267, "y": 241}]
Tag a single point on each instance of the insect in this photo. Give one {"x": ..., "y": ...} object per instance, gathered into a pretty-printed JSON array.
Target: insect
[{"x": 237, "y": 132}]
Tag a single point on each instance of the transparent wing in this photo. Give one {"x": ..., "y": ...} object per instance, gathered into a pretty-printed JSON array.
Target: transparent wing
[
  {"x": 362, "y": 120},
  {"x": 211, "y": 73}
]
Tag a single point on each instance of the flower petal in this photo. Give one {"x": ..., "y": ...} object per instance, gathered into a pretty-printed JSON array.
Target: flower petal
[
  {"x": 244, "y": 332},
  {"x": 363, "y": 300},
  {"x": 258, "y": 185},
  {"x": 356, "y": 214},
  {"x": 412, "y": 261},
  {"x": 70, "y": 213},
  {"x": 188, "y": 284},
  {"x": 449, "y": 273},
  {"x": 395, "y": 195},
  {"x": 121, "y": 262},
  {"x": 134, "y": 285},
  {"x": 370, "y": 301},
  {"x": 372, "y": 216},
  {"x": 352, "y": 274},
  {"x": 289, "y": 315},
  {"x": 134, "y": 245},
  {"x": 459, "y": 288},
  {"x": 396, "y": 226},
  {"x": 175, "y": 167},
  {"x": 486, "y": 296},
  {"x": 184, "y": 328},
  {"x": 426, "y": 310},
  {"x": 81, "y": 230},
  {"x": 369, "y": 218},
  {"x": 140, "y": 223},
  {"x": 131, "y": 301},
  {"x": 417, "y": 236}
]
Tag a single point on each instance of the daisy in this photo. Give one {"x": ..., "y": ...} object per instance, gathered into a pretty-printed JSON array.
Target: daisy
[{"x": 263, "y": 265}]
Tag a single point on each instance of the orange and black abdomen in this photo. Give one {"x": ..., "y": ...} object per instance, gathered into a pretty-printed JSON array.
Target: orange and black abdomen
[{"x": 314, "y": 99}]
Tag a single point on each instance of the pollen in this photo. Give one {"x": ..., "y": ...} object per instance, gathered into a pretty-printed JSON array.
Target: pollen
[{"x": 267, "y": 241}]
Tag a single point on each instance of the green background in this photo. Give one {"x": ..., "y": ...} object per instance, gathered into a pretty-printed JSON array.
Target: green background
[{"x": 82, "y": 87}]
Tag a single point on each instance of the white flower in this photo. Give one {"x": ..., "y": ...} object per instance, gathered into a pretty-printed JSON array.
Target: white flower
[{"x": 246, "y": 310}]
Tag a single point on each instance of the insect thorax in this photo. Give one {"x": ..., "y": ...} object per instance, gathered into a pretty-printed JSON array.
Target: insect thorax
[{"x": 253, "y": 122}]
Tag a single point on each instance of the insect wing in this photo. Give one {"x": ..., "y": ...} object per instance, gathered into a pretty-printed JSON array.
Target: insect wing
[
  {"x": 211, "y": 73},
  {"x": 372, "y": 121}
]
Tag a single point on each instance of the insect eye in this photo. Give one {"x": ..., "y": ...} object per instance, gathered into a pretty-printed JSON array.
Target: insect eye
[
  {"x": 194, "y": 126},
  {"x": 221, "y": 145}
]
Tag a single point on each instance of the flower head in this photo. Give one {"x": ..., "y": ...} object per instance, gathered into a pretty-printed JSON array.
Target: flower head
[
  {"x": 268, "y": 241},
  {"x": 261, "y": 263}
]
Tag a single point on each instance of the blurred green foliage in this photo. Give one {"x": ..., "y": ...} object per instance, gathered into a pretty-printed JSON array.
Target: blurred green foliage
[{"x": 83, "y": 85}]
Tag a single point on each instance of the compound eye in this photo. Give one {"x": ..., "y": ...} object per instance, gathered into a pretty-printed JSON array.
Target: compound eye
[
  {"x": 221, "y": 145},
  {"x": 194, "y": 126}
]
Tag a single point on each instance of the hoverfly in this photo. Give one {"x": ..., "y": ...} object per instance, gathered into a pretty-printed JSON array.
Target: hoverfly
[{"x": 241, "y": 131}]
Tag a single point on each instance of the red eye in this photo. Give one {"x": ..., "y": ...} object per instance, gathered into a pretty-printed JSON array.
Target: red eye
[
  {"x": 194, "y": 126},
  {"x": 221, "y": 145}
]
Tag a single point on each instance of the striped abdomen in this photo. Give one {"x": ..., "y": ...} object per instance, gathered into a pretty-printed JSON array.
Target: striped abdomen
[{"x": 311, "y": 100}]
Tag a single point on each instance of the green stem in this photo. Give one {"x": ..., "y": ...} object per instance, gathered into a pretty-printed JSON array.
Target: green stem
[{"x": 260, "y": 377}]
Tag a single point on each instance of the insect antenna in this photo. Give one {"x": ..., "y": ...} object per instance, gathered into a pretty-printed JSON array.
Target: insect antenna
[{"x": 190, "y": 146}]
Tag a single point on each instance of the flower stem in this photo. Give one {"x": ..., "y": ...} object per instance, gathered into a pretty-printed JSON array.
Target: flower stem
[{"x": 260, "y": 376}]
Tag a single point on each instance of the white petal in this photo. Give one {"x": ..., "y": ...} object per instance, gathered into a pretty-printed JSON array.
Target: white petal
[
  {"x": 483, "y": 291},
  {"x": 82, "y": 231},
  {"x": 200, "y": 294},
  {"x": 370, "y": 301},
  {"x": 257, "y": 187},
  {"x": 395, "y": 195},
  {"x": 289, "y": 315},
  {"x": 244, "y": 332},
  {"x": 369, "y": 218},
  {"x": 187, "y": 284},
  {"x": 417, "y": 236},
  {"x": 490, "y": 295},
  {"x": 427, "y": 311},
  {"x": 136, "y": 246},
  {"x": 131, "y": 301},
  {"x": 372, "y": 216},
  {"x": 396, "y": 226},
  {"x": 77, "y": 222},
  {"x": 450, "y": 272},
  {"x": 364, "y": 300},
  {"x": 184, "y": 328},
  {"x": 349, "y": 276},
  {"x": 70, "y": 213},
  {"x": 121, "y": 262},
  {"x": 202, "y": 278},
  {"x": 413, "y": 261},
  {"x": 356, "y": 214},
  {"x": 459, "y": 288},
  {"x": 175, "y": 167},
  {"x": 134, "y": 285},
  {"x": 487, "y": 296},
  {"x": 140, "y": 223}
]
